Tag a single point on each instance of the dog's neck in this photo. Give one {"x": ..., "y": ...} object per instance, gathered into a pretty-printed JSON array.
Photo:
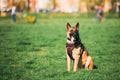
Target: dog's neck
[
  {"x": 73, "y": 43},
  {"x": 74, "y": 39}
]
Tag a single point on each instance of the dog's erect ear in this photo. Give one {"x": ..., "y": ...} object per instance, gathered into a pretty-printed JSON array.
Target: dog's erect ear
[
  {"x": 68, "y": 26},
  {"x": 77, "y": 26}
]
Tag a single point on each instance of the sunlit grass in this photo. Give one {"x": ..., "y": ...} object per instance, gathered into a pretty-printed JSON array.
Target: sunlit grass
[{"x": 37, "y": 51}]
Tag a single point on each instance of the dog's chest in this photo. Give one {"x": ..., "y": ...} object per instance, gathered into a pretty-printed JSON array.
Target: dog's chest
[{"x": 72, "y": 51}]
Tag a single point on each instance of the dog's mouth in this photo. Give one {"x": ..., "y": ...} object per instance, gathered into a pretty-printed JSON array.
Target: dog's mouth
[{"x": 71, "y": 38}]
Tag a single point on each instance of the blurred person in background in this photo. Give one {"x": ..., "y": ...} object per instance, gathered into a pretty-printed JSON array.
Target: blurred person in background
[
  {"x": 99, "y": 12},
  {"x": 13, "y": 13},
  {"x": 118, "y": 7}
]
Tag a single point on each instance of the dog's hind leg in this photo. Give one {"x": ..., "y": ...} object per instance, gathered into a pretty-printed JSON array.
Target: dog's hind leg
[
  {"x": 91, "y": 65},
  {"x": 87, "y": 62}
]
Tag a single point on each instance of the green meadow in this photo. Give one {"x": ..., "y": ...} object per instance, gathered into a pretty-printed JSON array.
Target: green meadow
[{"x": 36, "y": 51}]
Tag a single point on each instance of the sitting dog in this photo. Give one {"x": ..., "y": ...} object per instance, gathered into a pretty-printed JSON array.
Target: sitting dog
[{"x": 76, "y": 51}]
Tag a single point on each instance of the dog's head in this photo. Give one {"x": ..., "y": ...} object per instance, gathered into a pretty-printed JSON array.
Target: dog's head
[{"x": 72, "y": 33}]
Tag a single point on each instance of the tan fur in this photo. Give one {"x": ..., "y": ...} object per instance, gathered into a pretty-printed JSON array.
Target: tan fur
[{"x": 87, "y": 60}]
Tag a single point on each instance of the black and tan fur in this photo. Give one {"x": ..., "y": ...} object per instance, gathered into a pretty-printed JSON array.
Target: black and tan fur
[{"x": 76, "y": 51}]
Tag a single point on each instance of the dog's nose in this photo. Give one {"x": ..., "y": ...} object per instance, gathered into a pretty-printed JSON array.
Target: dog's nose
[{"x": 71, "y": 31}]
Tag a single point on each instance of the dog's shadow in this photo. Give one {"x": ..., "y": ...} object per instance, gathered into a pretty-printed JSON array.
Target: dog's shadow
[{"x": 95, "y": 67}]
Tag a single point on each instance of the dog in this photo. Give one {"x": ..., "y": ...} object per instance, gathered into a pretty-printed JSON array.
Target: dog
[{"x": 76, "y": 51}]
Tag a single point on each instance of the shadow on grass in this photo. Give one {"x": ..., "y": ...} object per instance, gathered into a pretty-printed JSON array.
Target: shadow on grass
[{"x": 95, "y": 67}]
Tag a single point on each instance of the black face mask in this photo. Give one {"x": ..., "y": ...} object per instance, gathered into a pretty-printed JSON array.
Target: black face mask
[{"x": 76, "y": 35}]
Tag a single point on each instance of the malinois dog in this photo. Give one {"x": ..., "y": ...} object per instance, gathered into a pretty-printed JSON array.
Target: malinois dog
[{"x": 76, "y": 51}]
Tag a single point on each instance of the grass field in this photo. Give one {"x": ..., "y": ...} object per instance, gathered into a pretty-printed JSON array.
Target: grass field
[{"x": 37, "y": 51}]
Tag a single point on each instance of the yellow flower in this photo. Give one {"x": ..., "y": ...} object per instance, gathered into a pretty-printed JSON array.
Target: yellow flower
[{"x": 30, "y": 19}]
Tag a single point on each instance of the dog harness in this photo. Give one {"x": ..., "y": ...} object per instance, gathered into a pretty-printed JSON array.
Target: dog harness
[{"x": 70, "y": 47}]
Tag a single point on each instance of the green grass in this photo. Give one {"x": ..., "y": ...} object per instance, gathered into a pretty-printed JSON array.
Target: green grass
[{"x": 37, "y": 51}]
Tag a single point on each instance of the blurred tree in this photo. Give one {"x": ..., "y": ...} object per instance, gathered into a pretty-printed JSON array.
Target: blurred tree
[
  {"x": 21, "y": 5},
  {"x": 113, "y": 1},
  {"x": 107, "y": 5},
  {"x": 90, "y": 4},
  {"x": 54, "y": 4},
  {"x": 28, "y": 4},
  {"x": 10, "y": 4},
  {"x": 83, "y": 6},
  {"x": 98, "y": 2}
]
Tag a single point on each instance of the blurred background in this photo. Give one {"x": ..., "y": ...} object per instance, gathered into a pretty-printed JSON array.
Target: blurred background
[
  {"x": 57, "y": 6},
  {"x": 33, "y": 38}
]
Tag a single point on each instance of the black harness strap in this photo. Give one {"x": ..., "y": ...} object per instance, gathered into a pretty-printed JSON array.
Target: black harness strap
[
  {"x": 80, "y": 60},
  {"x": 69, "y": 48},
  {"x": 82, "y": 46}
]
